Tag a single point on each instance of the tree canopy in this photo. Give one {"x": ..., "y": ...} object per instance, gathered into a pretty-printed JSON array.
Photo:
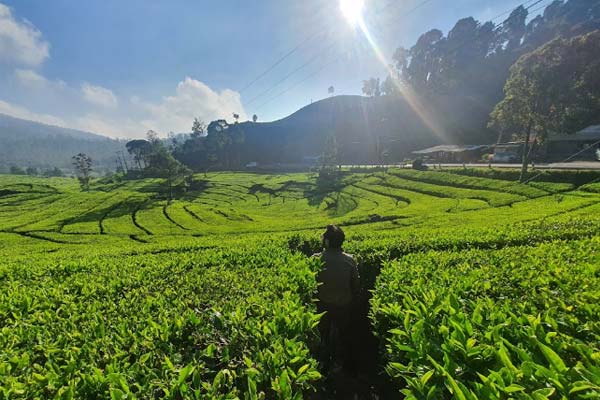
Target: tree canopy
[{"x": 554, "y": 89}]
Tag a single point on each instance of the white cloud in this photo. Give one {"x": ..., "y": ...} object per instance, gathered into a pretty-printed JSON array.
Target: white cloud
[
  {"x": 21, "y": 112},
  {"x": 33, "y": 80},
  {"x": 133, "y": 118},
  {"x": 30, "y": 78},
  {"x": 192, "y": 99},
  {"x": 20, "y": 42},
  {"x": 99, "y": 96}
]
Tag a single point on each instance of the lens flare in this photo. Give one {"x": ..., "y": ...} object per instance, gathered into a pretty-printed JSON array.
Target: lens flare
[{"x": 352, "y": 10}]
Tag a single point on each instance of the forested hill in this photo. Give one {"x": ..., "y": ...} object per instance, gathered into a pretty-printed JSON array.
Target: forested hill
[
  {"x": 359, "y": 124},
  {"x": 32, "y": 144},
  {"x": 442, "y": 90},
  {"x": 471, "y": 63}
]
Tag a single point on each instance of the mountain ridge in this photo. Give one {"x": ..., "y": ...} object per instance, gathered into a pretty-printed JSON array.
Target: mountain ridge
[{"x": 28, "y": 128}]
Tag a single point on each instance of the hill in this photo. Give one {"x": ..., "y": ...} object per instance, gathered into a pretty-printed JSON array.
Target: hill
[
  {"x": 28, "y": 143},
  {"x": 360, "y": 123}
]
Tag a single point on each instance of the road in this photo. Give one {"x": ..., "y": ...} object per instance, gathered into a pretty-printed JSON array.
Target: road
[{"x": 583, "y": 165}]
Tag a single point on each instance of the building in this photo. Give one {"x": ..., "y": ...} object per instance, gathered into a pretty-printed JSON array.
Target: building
[
  {"x": 311, "y": 160},
  {"x": 583, "y": 145},
  {"x": 510, "y": 152},
  {"x": 453, "y": 153}
]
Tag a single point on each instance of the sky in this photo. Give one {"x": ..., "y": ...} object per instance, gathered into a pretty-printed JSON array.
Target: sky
[{"x": 122, "y": 67}]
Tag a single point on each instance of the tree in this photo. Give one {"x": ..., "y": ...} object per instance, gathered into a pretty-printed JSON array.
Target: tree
[
  {"x": 198, "y": 128},
  {"x": 224, "y": 143},
  {"x": 15, "y": 170},
  {"x": 152, "y": 137},
  {"x": 53, "y": 172},
  {"x": 32, "y": 171},
  {"x": 389, "y": 87},
  {"x": 139, "y": 149},
  {"x": 554, "y": 89},
  {"x": 162, "y": 164},
  {"x": 330, "y": 90},
  {"x": 424, "y": 59},
  {"x": 371, "y": 87},
  {"x": 236, "y": 117},
  {"x": 83, "y": 168},
  {"x": 254, "y": 118},
  {"x": 401, "y": 58}
]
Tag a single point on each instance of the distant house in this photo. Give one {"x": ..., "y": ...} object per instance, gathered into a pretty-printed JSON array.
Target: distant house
[
  {"x": 310, "y": 160},
  {"x": 583, "y": 145},
  {"x": 453, "y": 153},
  {"x": 509, "y": 152}
]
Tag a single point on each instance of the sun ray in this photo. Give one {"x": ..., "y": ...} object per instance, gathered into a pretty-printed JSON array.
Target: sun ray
[{"x": 411, "y": 97}]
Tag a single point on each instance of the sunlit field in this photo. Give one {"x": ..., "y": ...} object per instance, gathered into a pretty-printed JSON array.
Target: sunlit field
[{"x": 479, "y": 287}]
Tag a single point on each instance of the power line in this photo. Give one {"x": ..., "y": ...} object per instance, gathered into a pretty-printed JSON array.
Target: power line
[
  {"x": 280, "y": 60},
  {"x": 283, "y": 58},
  {"x": 498, "y": 27},
  {"x": 541, "y": 7},
  {"x": 315, "y": 57},
  {"x": 566, "y": 159},
  {"x": 394, "y": 3},
  {"x": 514, "y": 8},
  {"x": 420, "y": 4},
  {"x": 322, "y": 67},
  {"x": 408, "y": 12}
]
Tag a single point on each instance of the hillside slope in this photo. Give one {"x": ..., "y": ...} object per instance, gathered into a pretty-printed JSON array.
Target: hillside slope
[
  {"x": 358, "y": 123},
  {"x": 28, "y": 143}
]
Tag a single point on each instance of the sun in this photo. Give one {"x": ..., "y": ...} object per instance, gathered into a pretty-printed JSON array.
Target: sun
[{"x": 352, "y": 10}]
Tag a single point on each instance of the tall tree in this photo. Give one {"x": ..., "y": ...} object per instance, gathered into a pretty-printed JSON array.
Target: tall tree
[
  {"x": 331, "y": 90},
  {"x": 254, "y": 118},
  {"x": 389, "y": 87},
  {"x": 162, "y": 164},
  {"x": 554, "y": 89},
  {"x": 371, "y": 87},
  {"x": 198, "y": 128},
  {"x": 218, "y": 141},
  {"x": 139, "y": 149},
  {"x": 83, "y": 168}
]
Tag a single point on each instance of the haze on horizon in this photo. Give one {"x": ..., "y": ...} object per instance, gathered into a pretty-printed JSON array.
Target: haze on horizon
[{"x": 123, "y": 68}]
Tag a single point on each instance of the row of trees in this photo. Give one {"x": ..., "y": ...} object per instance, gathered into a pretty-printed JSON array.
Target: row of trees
[
  {"x": 474, "y": 58},
  {"x": 552, "y": 88},
  {"x": 216, "y": 145},
  {"x": 33, "y": 171}
]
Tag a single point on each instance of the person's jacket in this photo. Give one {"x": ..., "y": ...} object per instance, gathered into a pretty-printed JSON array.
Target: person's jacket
[{"x": 339, "y": 282}]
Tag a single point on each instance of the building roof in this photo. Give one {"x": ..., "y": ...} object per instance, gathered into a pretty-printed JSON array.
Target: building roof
[
  {"x": 591, "y": 133},
  {"x": 450, "y": 148}
]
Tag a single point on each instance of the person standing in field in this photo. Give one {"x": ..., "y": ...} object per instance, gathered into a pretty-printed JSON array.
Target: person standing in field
[{"x": 339, "y": 286}]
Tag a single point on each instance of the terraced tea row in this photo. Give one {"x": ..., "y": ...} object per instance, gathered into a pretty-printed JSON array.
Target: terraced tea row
[{"x": 488, "y": 288}]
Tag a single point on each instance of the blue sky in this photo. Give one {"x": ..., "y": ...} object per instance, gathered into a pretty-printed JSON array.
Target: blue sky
[{"x": 122, "y": 67}]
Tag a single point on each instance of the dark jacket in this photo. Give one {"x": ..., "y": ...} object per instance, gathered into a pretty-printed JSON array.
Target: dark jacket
[{"x": 339, "y": 281}]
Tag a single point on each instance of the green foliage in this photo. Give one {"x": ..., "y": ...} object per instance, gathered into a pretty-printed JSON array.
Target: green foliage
[
  {"x": 518, "y": 322},
  {"x": 553, "y": 89},
  {"x": 83, "y": 168},
  {"x": 174, "y": 325},
  {"x": 480, "y": 286}
]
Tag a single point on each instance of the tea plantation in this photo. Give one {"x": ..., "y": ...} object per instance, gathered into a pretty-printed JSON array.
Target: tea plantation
[{"x": 478, "y": 287}]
